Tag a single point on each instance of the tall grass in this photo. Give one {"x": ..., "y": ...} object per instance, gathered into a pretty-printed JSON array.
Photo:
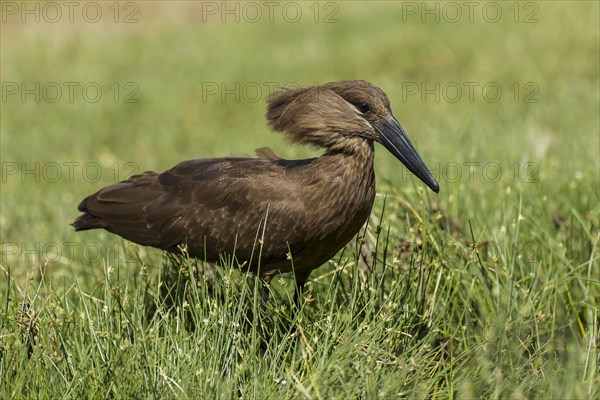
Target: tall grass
[{"x": 378, "y": 321}]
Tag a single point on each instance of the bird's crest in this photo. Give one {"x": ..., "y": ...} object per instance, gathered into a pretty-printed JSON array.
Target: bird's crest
[{"x": 318, "y": 116}]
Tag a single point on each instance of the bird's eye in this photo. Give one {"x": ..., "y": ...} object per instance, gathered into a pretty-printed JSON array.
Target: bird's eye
[{"x": 363, "y": 106}]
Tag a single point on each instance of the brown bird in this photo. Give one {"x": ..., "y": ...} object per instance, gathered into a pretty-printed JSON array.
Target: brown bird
[{"x": 272, "y": 215}]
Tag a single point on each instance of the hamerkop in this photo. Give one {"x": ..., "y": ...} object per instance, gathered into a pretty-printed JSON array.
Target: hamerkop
[{"x": 272, "y": 215}]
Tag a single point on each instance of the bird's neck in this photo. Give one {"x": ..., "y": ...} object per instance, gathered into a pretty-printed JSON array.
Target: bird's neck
[
  {"x": 356, "y": 160},
  {"x": 345, "y": 191},
  {"x": 349, "y": 177}
]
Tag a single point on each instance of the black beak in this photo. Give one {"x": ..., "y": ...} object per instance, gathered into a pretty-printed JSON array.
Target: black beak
[{"x": 392, "y": 136}]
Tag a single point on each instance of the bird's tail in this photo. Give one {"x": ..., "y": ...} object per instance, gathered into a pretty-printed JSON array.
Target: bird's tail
[
  {"x": 137, "y": 209},
  {"x": 87, "y": 221}
]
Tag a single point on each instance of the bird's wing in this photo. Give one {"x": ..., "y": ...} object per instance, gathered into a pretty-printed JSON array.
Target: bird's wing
[
  {"x": 228, "y": 205},
  {"x": 213, "y": 206}
]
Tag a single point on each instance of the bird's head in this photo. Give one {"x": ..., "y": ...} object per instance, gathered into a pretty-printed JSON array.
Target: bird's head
[{"x": 342, "y": 116}]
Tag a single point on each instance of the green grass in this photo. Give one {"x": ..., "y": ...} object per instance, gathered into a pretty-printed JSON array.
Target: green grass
[{"x": 490, "y": 289}]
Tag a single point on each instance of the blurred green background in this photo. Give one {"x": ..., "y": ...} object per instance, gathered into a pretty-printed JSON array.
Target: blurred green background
[{"x": 199, "y": 74}]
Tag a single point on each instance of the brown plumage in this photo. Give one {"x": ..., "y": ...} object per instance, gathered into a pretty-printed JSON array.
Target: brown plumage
[{"x": 292, "y": 214}]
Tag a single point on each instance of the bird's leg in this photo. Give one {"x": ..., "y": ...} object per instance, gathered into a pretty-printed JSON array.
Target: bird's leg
[
  {"x": 298, "y": 292},
  {"x": 264, "y": 291},
  {"x": 265, "y": 324},
  {"x": 301, "y": 278}
]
